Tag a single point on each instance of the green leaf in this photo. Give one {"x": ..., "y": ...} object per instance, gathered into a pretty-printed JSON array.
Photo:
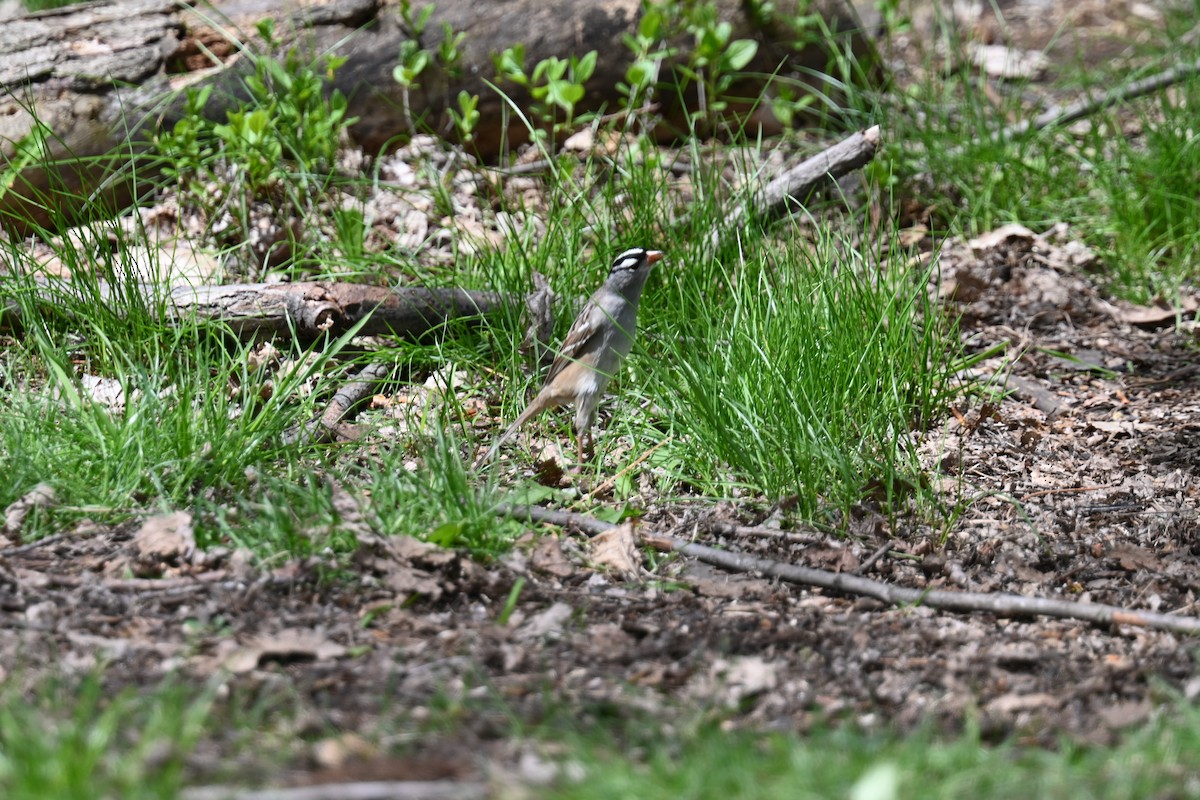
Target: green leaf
[
  {"x": 640, "y": 73},
  {"x": 552, "y": 69},
  {"x": 448, "y": 534},
  {"x": 406, "y": 73},
  {"x": 468, "y": 103},
  {"x": 511, "y": 64},
  {"x": 740, "y": 53},
  {"x": 586, "y": 66},
  {"x": 564, "y": 94},
  {"x": 651, "y": 23},
  {"x": 423, "y": 17}
]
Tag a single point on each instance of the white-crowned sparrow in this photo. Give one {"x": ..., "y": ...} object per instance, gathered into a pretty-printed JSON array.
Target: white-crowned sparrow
[{"x": 597, "y": 343}]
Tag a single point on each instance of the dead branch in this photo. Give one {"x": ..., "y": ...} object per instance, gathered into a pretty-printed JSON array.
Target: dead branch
[
  {"x": 141, "y": 585},
  {"x": 1000, "y": 604},
  {"x": 792, "y": 188},
  {"x": 21, "y": 549},
  {"x": 307, "y": 309},
  {"x": 1065, "y": 115},
  {"x": 720, "y": 528},
  {"x": 874, "y": 558},
  {"x": 344, "y": 401},
  {"x": 794, "y": 185},
  {"x": 563, "y": 519},
  {"x": 363, "y": 790}
]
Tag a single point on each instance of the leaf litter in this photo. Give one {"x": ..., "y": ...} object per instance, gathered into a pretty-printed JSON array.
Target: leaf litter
[
  {"x": 1077, "y": 479},
  {"x": 1093, "y": 498}
]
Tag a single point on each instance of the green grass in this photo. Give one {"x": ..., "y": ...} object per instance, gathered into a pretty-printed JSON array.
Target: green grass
[
  {"x": 197, "y": 419},
  {"x": 70, "y": 739},
  {"x": 1160, "y": 760},
  {"x": 45, "y": 5},
  {"x": 787, "y": 363},
  {"x": 1131, "y": 197},
  {"x": 792, "y": 362},
  {"x": 805, "y": 367},
  {"x": 797, "y": 361}
]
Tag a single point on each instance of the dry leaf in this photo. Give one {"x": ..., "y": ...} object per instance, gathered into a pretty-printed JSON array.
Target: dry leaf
[
  {"x": 286, "y": 646},
  {"x": 410, "y": 549},
  {"x": 1123, "y": 715},
  {"x": 616, "y": 550},
  {"x": 108, "y": 392},
  {"x": 547, "y": 622},
  {"x": 166, "y": 537},
  {"x": 709, "y": 581},
  {"x": 1014, "y": 702},
  {"x": 744, "y": 677},
  {"x": 992, "y": 240},
  {"x": 1134, "y": 558},
  {"x": 40, "y": 496},
  {"x": 336, "y": 751},
  {"x": 1157, "y": 316},
  {"x": 405, "y": 580},
  {"x": 350, "y": 516},
  {"x": 547, "y": 557},
  {"x": 1007, "y": 63}
]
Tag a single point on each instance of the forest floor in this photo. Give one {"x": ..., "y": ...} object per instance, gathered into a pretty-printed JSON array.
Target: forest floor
[{"x": 1079, "y": 481}]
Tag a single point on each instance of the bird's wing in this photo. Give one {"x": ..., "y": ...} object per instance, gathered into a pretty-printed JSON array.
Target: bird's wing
[{"x": 589, "y": 325}]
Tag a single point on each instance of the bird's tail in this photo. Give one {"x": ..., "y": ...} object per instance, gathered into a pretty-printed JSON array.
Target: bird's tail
[{"x": 526, "y": 415}]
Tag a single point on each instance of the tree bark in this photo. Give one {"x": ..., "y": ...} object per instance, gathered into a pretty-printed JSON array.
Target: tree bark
[
  {"x": 561, "y": 29},
  {"x": 91, "y": 81},
  {"x": 60, "y": 105},
  {"x": 307, "y": 309}
]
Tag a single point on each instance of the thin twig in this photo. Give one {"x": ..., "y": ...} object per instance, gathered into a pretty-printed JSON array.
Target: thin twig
[
  {"x": 729, "y": 529},
  {"x": 563, "y": 519},
  {"x": 25, "y": 548},
  {"x": 1067, "y": 490},
  {"x": 1064, "y": 115},
  {"x": 1000, "y": 604},
  {"x": 363, "y": 790},
  {"x": 874, "y": 557},
  {"x": 141, "y": 585},
  {"x": 611, "y": 482},
  {"x": 345, "y": 400}
]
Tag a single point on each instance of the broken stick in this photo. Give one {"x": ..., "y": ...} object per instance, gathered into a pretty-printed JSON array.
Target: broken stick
[{"x": 998, "y": 603}]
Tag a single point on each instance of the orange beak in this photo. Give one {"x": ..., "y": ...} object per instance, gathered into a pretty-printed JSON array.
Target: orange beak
[{"x": 654, "y": 256}]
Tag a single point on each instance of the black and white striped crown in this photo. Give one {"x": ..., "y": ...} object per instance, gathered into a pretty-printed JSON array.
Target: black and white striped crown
[{"x": 634, "y": 259}]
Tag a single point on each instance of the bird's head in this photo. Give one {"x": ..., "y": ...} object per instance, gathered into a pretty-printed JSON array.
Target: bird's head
[{"x": 635, "y": 260}]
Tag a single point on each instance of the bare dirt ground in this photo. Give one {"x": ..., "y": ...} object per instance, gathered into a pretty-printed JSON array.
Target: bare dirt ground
[{"x": 1081, "y": 483}]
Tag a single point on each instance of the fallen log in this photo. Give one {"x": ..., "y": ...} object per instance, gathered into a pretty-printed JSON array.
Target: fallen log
[
  {"x": 80, "y": 86},
  {"x": 791, "y": 189},
  {"x": 306, "y": 310}
]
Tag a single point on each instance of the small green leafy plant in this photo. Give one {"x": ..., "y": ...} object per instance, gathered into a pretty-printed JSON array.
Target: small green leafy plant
[
  {"x": 555, "y": 84},
  {"x": 279, "y": 146},
  {"x": 465, "y": 118},
  {"x": 714, "y": 60},
  {"x": 413, "y": 59}
]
